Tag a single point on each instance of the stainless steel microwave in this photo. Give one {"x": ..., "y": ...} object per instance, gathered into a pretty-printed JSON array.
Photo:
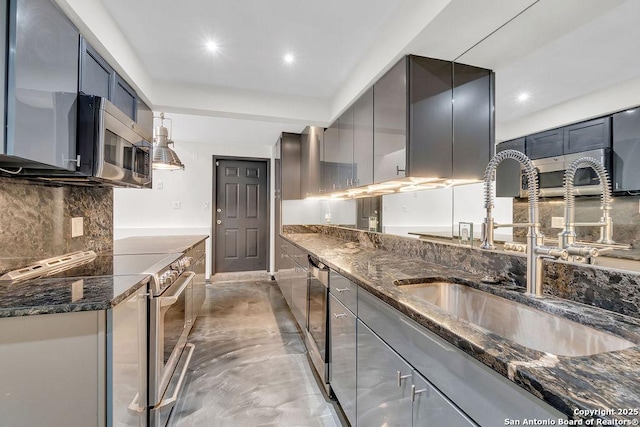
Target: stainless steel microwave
[
  {"x": 551, "y": 174},
  {"x": 112, "y": 148}
]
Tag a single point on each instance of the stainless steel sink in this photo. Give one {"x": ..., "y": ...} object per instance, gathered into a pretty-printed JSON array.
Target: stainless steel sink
[{"x": 517, "y": 322}]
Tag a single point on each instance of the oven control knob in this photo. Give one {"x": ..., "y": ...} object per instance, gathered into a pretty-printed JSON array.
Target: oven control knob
[
  {"x": 174, "y": 275},
  {"x": 175, "y": 265},
  {"x": 187, "y": 261}
]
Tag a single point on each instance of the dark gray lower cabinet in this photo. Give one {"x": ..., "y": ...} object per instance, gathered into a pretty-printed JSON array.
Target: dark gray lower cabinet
[
  {"x": 299, "y": 293},
  {"x": 431, "y": 408},
  {"x": 342, "y": 324},
  {"x": 383, "y": 381}
]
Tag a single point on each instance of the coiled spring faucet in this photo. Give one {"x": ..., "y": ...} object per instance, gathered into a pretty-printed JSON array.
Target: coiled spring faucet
[
  {"x": 535, "y": 248},
  {"x": 567, "y": 238}
]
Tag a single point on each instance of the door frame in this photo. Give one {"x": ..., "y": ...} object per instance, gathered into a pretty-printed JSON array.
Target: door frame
[{"x": 214, "y": 204}]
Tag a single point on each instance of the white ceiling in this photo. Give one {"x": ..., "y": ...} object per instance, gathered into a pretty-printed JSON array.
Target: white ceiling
[
  {"x": 556, "y": 50},
  {"x": 327, "y": 38}
]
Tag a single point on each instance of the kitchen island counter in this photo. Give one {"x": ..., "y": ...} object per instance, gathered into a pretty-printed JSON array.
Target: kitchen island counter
[
  {"x": 156, "y": 244},
  {"x": 606, "y": 383},
  {"x": 66, "y": 295}
]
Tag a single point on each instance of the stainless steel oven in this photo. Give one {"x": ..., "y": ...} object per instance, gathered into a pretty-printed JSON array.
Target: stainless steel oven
[
  {"x": 169, "y": 326},
  {"x": 316, "y": 338}
]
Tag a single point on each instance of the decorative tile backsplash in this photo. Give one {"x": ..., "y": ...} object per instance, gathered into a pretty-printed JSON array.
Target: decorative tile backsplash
[
  {"x": 36, "y": 221},
  {"x": 624, "y": 211}
]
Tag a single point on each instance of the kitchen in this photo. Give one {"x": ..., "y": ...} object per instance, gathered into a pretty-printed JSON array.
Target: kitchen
[{"x": 219, "y": 124}]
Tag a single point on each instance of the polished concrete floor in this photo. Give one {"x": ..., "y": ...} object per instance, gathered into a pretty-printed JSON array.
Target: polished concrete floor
[{"x": 250, "y": 367}]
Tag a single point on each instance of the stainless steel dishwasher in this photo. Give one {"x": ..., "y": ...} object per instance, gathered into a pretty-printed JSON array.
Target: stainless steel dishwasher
[{"x": 316, "y": 338}]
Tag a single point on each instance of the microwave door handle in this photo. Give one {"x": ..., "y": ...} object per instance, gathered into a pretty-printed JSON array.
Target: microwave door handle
[{"x": 170, "y": 300}]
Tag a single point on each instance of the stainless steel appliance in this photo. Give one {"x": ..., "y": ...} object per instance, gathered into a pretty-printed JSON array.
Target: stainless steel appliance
[
  {"x": 112, "y": 148},
  {"x": 316, "y": 338},
  {"x": 551, "y": 174},
  {"x": 171, "y": 290}
]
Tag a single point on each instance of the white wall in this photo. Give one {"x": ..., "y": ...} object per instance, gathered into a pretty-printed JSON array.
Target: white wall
[
  {"x": 197, "y": 138},
  {"x": 426, "y": 210},
  {"x": 315, "y": 211}
]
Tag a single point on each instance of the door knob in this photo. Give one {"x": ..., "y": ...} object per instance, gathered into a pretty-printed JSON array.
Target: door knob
[
  {"x": 218, "y": 210},
  {"x": 218, "y": 222}
]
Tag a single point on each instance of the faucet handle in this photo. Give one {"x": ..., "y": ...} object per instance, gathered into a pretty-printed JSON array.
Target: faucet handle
[
  {"x": 552, "y": 252},
  {"x": 583, "y": 251}
]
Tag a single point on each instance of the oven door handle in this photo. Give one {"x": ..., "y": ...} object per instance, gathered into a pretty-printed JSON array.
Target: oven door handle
[
  {"x": 172, "y": 299},
  {"x": 168, "y": 403}
]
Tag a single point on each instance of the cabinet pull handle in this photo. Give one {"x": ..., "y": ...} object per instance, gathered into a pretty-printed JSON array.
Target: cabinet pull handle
[
  {"x": 342, "y": 290},
  {"x": 339, "y": 315},
  {"x": 414, "y": 392},
  {"x": 402, "y": 377},
  {"x": 398, "y": 170}
]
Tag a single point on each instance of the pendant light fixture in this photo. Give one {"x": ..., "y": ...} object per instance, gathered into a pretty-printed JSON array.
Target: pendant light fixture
[{"x": 163, "y": 156}]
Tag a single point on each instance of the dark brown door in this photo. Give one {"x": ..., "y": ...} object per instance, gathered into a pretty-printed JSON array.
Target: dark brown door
[{"x": 241, "y": 222}]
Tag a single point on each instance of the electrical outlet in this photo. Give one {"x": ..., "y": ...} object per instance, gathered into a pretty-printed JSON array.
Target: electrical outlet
[
  {"x": 77, "y": 226},
  {"x": 176, "y": 204},
  {"x": 159, "y": 185},
  {"x": 405, "y": 208},
  {"x": 557, "y": 222}
]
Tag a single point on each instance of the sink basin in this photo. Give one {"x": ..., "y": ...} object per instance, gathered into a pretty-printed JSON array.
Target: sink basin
[{"x": 517, "y": 322}]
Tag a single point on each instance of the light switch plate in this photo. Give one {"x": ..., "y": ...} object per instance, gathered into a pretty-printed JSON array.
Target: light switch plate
[
  {"x": 176, "y": 204},
  {"x": 77, "y": 226}
]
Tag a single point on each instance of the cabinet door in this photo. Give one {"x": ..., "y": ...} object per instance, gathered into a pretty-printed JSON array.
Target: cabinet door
[
  {"x": 430, "y": 89},
  {"x": 290, "y": 146},
  {"x": 508, "y": 175},
  {"x": 342, "y": 371},
  {"x": 383, "y": 383},
  {"x": 589, "y": 135},
  {"x": 473, "y": 126},
  {"x": 545, "y": 144},
  {"x": 43, "y": 84},
  {"x": 390, "y": 124},
  {"x": 431, "y": 408},
  {"x": 199, "y": 285},
  {"x": 331, "y": 158},
  {"x": 626, "y": 151},
  {"x": 96, "y": 75},
  {"x": 345, "y": 149},
  {"x": 311, "y": 144},
  {"x": 363, "y": 139},
  {"x": 124, "y": 97},
  {"x": 299, "y": 294}
]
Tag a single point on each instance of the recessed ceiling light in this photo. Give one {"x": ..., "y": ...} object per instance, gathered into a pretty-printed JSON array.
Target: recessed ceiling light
[
  {"x": 212, "y": 46},
  {"x": 523, "y": 96},
  {"x": 289, "y": 58}
]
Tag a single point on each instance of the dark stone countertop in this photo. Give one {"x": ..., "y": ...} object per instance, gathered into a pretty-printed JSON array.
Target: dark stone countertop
[
  {"x": 88, "y": 292},
  {"x": 65, "y": 295},
  {"x": 606, "y": 381},
  {"x": 156, "y": 244}
]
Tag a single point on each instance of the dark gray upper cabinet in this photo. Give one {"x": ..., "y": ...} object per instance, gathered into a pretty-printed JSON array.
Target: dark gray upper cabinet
[
  {"x": 330, "y": 175},
  {"x": 419, "y": 129},
  {"x": 626, "y": 151},
  {"x": 589, "y": 135},
  {"x": 473, "y": 120},
  {"x": 363, "y": 139},
  {"x": 42, "y": 82},
  {"x": 390, "y": 124},
  {"x": 290, "y": 155},
  {"x": 345, "y": 149},
  {"x": 430, "y": 118},
  {"x": 124, "y": 97},
  {"x": 96, "y": 75},
  {"x": 508, "y": 176},
  {"x": 98, "y": 78},
  {"x": 549, "y": 143},
  {"x": 311, "y": 146}
]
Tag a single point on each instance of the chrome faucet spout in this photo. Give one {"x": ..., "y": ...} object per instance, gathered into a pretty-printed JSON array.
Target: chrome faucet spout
[
  {"x": 567, "y": 238},
  {"x": 535, "y": 249}
]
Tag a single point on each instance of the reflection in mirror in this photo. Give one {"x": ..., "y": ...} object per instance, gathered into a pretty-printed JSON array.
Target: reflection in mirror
[{"x": 556, "y": 64}]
